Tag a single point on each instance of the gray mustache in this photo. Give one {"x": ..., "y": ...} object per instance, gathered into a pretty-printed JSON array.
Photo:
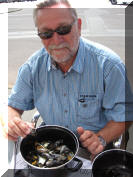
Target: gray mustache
[{"x": 51, "y": 47}]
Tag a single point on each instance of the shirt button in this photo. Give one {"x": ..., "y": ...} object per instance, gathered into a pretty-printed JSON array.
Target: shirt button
[
  {"x": 84, "y": 105},
  {"x": 65, "y": 94},
  {"x": 66, "y": 111}
]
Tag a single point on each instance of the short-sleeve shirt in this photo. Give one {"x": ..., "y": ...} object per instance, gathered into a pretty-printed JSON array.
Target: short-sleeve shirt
[{"x": 90, "y": 94}]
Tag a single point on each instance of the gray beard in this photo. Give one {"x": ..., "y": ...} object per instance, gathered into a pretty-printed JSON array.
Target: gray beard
[{"x": 62, "y": 60}]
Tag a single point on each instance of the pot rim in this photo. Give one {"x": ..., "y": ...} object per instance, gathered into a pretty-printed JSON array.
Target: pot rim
[
  {"x": 60, "y": 166},
  {"x": 110, "y": 150}
]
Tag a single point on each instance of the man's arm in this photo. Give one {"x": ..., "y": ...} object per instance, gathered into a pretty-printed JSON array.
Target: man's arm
[
  {"x": 16, "y": 126},
  {"x": 110, "y": 132},
  {"x": 113, "y": 130}
]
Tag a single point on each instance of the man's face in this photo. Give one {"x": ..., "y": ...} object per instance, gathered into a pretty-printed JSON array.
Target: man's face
[{"x": 62, "y": 48}]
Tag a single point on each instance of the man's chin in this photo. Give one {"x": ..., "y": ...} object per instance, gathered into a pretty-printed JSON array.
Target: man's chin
[{"x": 61, "y": 58}]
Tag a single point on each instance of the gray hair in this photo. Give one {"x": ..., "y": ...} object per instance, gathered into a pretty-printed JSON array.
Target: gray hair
[{"x": 49, "y": 3}]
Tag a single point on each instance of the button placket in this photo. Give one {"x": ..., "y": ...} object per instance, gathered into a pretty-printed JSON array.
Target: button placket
[{"x": 65, "y": 101}]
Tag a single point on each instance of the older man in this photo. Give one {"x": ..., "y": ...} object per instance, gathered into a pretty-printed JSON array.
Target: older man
[{"x": 71, "y": 81}]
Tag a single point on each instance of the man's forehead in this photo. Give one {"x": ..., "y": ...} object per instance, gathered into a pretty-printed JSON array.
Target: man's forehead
[
  {"x": 54, "y": 14},
  {"x": 52, "y": 18}
]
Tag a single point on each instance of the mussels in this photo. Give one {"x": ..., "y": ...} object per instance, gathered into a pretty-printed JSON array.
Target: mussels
[{"x": 47, "y": 154}]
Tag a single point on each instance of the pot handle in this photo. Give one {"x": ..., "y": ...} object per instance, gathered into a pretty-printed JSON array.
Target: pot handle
[
  {"x": 77, "y": 166},
  {"x": 35, "y": 118}
]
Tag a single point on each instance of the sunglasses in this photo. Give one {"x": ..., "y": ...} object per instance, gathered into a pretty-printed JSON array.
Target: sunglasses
[{"x": 61, "y": 30}]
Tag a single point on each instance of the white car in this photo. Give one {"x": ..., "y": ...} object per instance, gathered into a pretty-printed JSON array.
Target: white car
[{"x": 121, "y": 1}]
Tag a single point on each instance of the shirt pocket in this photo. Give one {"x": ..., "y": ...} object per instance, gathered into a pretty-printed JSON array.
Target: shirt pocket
[{"x": 88, "y": 108}]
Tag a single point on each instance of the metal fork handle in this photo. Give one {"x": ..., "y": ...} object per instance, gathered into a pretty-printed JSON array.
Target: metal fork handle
[{"x": 35, "y": 118}]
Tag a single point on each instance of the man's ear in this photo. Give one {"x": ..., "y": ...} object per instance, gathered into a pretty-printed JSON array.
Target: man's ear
[{"x": 79, "y": 25}]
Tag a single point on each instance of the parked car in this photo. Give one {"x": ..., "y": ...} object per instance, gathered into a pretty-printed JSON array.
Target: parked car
[{"x": 121, "y": 1}]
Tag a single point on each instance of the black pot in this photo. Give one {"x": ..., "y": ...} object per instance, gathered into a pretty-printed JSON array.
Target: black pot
[
  {"x": 113, "y": 163},
  {"x": 52, "y": 133}
]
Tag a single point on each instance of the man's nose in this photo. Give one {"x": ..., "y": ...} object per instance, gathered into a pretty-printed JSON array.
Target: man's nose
[{"x": 57, "y": 39}]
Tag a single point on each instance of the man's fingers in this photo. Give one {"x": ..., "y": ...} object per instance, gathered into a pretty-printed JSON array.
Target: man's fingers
[
  {"x": 31, "y": 125},
  {"x": 18, "y": 127},
  {"x": 93, "y": 147},
  {"x": 14, "y": 130},
  {"x": 96, "y": 149},
  {"x": 90, "y": 141},
  {"x": 87, "y": 135},
  {"x": 87, "y": 142},
  {"x": 23, "y": 127}
]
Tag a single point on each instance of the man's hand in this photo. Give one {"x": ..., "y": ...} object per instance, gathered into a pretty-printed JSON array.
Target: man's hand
[
  {"x": 16, "y": 126},
  {"x": 90, "y": 141}
]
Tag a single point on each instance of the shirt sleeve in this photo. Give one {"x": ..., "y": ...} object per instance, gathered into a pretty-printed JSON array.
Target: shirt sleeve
[
  {"x": 21, "y": 96},
  {"x": 116, "y": 106}
]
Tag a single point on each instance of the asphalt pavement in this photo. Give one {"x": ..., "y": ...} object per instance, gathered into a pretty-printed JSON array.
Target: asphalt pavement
[{"x": 105, "y": 26}]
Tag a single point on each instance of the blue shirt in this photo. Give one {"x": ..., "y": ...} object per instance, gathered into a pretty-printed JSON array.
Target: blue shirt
[{"x": 90, "y": 94}]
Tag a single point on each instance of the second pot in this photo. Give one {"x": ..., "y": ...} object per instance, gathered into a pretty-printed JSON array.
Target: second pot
[{"x": 113, "y": 163}]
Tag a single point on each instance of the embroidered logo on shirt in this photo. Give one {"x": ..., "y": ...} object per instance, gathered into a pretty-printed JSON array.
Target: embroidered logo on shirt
[{"x": 82, "y": 97}]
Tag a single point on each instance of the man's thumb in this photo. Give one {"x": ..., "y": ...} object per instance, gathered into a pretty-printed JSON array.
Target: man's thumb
[{"x": 80, "y": 130}]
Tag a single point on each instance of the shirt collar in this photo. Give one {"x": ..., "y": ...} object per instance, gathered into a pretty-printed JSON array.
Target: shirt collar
[
  {"x": 51, "y": 64},
  {"x": 78, "y": 63}
]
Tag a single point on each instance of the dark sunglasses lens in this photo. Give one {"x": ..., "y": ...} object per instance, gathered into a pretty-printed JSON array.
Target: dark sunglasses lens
[
  {"x": 45, "y": 35},
  {"x": 64, "y": 30}
]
